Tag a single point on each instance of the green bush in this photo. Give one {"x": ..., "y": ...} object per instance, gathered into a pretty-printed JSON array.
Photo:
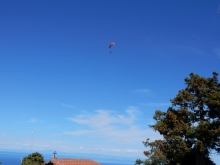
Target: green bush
[{"x": 33, "y": 159}]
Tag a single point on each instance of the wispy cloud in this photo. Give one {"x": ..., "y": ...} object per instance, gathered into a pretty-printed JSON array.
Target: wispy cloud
[
  {"x": 3, "y": 134},
  {"x": 217, "y": 51},
  {"x": 112, "y": 126},
  {"x": 174, "y": 49},
  {"x": 64, "y": 148},
  {"x": 79, "y": 132},
  {"x": 66, "y": 105},
  {"x": 156, "y": 104},
  {"x": 142, "y": 91},
  {"x": 33, "y": 120},
  {"x": 117, "y": 133},
  {"x": 104, "y": 117},
  {"x": 70, "y": 106}
]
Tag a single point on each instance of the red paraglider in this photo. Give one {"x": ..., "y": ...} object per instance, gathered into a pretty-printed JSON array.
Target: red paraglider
[{"x": 110, "y": 45}]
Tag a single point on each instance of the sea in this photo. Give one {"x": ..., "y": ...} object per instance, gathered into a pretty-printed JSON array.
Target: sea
[{"x": 15, "y": 158}]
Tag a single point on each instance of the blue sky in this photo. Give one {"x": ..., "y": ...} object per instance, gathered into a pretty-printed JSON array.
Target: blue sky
[{"x": 59, "y": 79}]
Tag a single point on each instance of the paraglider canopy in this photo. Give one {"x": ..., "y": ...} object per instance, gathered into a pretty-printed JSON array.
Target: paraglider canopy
[{"x": 110, "y": 45}]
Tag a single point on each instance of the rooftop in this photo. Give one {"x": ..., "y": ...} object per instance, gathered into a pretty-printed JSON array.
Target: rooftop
[{"x": 68, "y": 161}]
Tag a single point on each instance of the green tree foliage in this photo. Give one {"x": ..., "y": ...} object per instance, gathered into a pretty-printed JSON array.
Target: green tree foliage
[
  {"x": 190, "y": 128},
  {"x": 155, "y": 156},
  {"x": 33, "y": 159}
]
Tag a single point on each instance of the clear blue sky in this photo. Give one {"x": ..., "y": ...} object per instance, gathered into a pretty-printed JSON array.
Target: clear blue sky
[{"x": 59, "y": 79}]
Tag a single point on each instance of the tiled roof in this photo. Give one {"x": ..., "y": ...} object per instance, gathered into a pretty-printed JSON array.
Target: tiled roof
[{"x": 67, "y": 161}]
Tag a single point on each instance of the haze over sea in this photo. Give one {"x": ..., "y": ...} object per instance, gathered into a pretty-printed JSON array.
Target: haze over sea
[{"x": 15, "y": 158}]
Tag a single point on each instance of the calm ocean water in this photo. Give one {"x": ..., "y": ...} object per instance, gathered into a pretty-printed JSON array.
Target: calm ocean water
[{"x": 14, "y": 158}]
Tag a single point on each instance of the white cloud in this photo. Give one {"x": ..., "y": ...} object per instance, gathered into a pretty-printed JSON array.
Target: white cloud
[
  {"x": 127, "y": 120},
  {"x": 103, "y": 131},
  {"x": 111, "y": 126},
  {"x": 103, "y": 118}
]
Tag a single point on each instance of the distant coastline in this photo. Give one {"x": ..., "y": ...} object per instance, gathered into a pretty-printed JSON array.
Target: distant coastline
[{"x": 15, "y": 157}]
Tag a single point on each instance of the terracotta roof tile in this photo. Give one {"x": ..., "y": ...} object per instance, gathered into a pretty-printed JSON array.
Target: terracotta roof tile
[{"x": 68, "y": 161}]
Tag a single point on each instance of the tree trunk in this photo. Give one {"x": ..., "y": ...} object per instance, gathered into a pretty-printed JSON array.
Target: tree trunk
[{"x": 200, "y": 158}]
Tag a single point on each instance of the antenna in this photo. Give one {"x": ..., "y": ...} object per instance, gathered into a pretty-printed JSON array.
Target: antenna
[{"x": 32, "y": 133}]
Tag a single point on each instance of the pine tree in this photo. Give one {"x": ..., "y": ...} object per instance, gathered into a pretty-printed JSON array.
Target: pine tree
[{"x": 191, "y": 127}]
